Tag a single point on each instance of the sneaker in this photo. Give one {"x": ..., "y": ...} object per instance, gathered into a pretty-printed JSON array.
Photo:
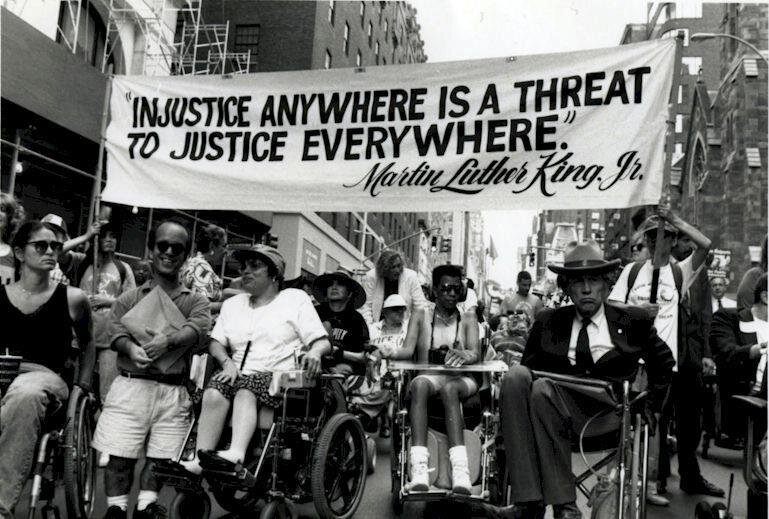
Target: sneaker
[
  {"x": 567, "y": 511},
  {"x": 115, "y": 512},
  {"x": 702, "y": 487},
  {"x": 384, "y": 428},
  {"x": 153, "y": 511},
  {"x": 419, "y": 475},
  {"x": 652, "y": 497},
  {"x": 460, "y": 473}
]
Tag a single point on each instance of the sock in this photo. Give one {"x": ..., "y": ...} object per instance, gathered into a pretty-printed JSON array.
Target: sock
[
  {"x": 419, "y": 453},
  {"x": 458, "y": 454},
  {"x": 146, "y": 498},
  {"x": 192, "y": 466},
  {"x": 120, "y": 501}
]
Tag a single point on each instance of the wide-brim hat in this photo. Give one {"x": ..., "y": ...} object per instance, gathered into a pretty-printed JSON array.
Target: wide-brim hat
[
  {"x": 322, "y": 282},
  {"x": 584, "y": 259},
  {"x": 263, "y": 252}
]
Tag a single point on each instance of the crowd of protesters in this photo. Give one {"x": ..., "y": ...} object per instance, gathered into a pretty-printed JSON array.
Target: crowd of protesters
[{"x": 50, "y": 303}]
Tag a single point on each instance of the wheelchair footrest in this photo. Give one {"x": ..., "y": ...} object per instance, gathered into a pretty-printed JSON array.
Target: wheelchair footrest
[{"x": 173, "y": 474}]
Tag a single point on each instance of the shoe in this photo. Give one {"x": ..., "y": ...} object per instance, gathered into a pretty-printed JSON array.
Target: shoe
[
  {"x": 516, "y": 511},
  {"x": 384, "y": 429},
  {"x": 566, "y": 511},
  {"x": 153, "y": 511},
  {"x": 115, "y": 512},
  {"x": 419, "y": 475},
  {"x": 662, "y": 488},
  {"x": 701, "y": 487},
  {"x": 460, "y": 473},
  {"x": 652, "y": 497}
]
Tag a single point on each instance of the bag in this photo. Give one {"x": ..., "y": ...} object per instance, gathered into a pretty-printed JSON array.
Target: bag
[{"x": 603, "y": 497}]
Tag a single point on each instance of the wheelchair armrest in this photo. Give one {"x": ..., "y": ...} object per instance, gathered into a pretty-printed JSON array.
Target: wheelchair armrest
[
  {"x": 753, "y": 404},
  {"x": 570, "y": 379}
]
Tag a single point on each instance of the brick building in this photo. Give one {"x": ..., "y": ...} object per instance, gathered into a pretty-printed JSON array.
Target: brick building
[{"x": 723, "y": 185}]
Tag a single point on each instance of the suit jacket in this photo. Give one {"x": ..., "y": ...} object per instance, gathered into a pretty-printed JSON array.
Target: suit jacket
[
  {"x": 731, "y": 349},
  {"x": 408, "y": 288},
  {"x": 633, "y": 335}
]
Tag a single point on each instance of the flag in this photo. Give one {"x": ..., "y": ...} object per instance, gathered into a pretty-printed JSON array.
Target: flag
[{"x": 492, "y": 249}]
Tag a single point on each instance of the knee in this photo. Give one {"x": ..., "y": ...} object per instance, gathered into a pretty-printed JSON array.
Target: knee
[
  {"x": 37, "y": 390},
  {"x": 541, "y": 391},
  {"x": 213, "y": 398},
  {"x": 516, "y": 380},
  {"x": 121, "y": 467},
  {"x": 420, "y": 389},
  {"x": 449, "y": 394}
]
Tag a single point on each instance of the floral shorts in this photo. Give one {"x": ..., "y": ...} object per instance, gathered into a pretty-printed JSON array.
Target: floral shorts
[{"x": 258, "y": 383}]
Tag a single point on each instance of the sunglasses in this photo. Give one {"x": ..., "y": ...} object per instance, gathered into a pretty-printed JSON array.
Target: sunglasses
[
  {"x": 42, "y": 246},
  {"x": 175, "y": 248},
  {"x": 446, "y": 289},
  {"x": 638, "y": 247}
]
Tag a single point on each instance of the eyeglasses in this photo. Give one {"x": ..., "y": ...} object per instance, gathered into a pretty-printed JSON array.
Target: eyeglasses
[
  {"x": 252, "y": 264},
  {"x": 638, "y": 247},
  {"x": 175, "y": 248},
  {"x": 446, "y": 289},
  {"x": 41, "y": 246}
]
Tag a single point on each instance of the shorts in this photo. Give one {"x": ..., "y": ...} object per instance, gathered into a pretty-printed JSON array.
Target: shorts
[
  {"x": 143, "y": 417},
  {"x": 258, "y": 383},
  {"x": 439, "y": 380}
]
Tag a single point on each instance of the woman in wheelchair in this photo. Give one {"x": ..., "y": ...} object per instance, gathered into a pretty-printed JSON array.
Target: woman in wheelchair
[
  {"x": 264, "y": 328},
  {"x": 38, "y": 319},
  {"x": 440, "y": 335}
]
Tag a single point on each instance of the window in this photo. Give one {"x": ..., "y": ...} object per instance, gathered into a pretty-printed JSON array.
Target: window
[
  {"x": 362, "y": 14},
  {"x": 679, "y": 123},
  {"x": 247, "y": 39},
  {"x": 328, "y": 59},
  {"x": 679, "y": 150},
  {"x": 376, "y": 51},
  {"x": 699, "y": 171},
  {"x": 358, "y": 59},
  {"x": 346, "y": 42},
  {"x": 694, "y": 63},
  {"x": 91, "y": 34},
  {"x": 370, "y": 33},
  {"x": 331, "y": 12},
  {"x": 386, "y": 26},
  {"x": 680, "y": 94}
]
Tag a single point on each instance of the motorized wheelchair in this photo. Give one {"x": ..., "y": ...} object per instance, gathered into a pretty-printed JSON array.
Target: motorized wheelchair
[
  {"x": 307, "y": 450},
  {"x": 621, "y": 492},
  {"x": 63, "y": 453},
  {"x": 481, "y": 432}
]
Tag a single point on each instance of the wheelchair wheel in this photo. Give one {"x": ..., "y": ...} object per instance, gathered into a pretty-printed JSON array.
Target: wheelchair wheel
[
  {"x": 339, "y": 468},
  {"x": 190, "y": 506},
  {"x": 79, "y": 458},
  {"x": 395, "y": 490},
  {"x": 371, "y": 451},
  {"x": 279, "y": 509}
]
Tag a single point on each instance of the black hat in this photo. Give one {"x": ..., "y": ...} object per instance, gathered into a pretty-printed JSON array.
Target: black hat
[{"x": 322, "y": 282}]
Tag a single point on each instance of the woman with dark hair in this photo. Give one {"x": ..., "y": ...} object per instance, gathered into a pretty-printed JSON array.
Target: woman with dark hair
[
  {"x": 38, "y": 318},
  {"x": 115, "y": 277},
  {"x": 387, "y": 278},
  {"x": 10, "y": 212},
  {"x": 738, "y": 339}
]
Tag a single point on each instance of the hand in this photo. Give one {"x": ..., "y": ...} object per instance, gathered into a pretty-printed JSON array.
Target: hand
[
  {"x": 311, "y": 363},
  {"x": 158, "y": 346},
  {"x": 99, "y": 301},
  {"x": 456, "y": 358},
  {"x": 94, "y": 229},
  {"x": 708, "y": 366},
  {"x": 229, "y": 373},
  {"x": 757, "y": 350},
  {"x": 85, "y": 385},
  {"x": 651, "y": 309},
  {"x": 139, "y": 357}
]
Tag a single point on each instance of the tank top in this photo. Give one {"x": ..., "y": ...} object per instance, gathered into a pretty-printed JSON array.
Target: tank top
[
  {"x": 446, "y": 334},
  {"x": 44, "y": 336}
]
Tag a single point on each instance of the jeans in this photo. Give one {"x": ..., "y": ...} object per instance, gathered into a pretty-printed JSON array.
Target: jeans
[{"x": 35, "y": 393}]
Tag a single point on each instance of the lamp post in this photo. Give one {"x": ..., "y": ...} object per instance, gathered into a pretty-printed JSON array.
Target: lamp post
[{"x": 700, "y": 36}]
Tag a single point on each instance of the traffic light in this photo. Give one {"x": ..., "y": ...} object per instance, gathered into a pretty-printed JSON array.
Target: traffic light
[
  {"x": 272, "y": 241},
  {"x": 445, "y": 244},
  {"x": 434, "y": 243},
  {"x": 532, "y": 258}
]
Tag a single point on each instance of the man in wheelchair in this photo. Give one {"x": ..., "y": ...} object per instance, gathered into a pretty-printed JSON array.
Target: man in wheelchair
[
  {"x": 38, "y": 319},
  {"x": 440, "y": 335},
  {"x": 539, "y": 416},
  {"x": 264, "y": 329}
]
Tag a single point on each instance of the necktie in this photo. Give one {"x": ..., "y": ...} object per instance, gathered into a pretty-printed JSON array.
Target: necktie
[
  {"x": 584, "y": 358},
  {"x": 720, "y": 305}
]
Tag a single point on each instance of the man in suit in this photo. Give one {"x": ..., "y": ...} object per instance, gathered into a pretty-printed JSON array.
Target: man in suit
[{"x": 539, "y": 417}]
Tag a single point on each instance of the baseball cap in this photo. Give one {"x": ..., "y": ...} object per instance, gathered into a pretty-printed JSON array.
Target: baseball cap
[
  {"x": 394, "y": 301},
  {"x": 264, "y": 252},
  {"x": 56, "y": 221}
]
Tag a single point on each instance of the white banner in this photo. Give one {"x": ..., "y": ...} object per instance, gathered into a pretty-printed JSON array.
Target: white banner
[{"x": 572, "y": 130}]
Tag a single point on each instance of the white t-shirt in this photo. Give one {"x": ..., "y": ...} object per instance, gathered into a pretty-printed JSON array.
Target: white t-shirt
[
  {"x": 277, "y": 330},
  {"x": 666, "y": 321},
  {"x": 388, "y": 342}
]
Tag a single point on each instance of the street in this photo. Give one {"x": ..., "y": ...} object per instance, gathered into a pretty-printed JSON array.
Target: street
[{"x": 376, "y": 498}]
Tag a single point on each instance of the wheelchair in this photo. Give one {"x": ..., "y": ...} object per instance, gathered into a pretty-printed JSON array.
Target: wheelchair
[
  {"x": 754, "y": 461},
  {"x": 626, "y": 451},
  {"x": 308, "y": 450},
  {"x": 481, "y": 434},
  {"x": 63, "y": 452}
]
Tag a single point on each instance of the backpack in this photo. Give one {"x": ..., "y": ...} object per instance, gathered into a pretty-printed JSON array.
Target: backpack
[{"x": 678, "y": 278}]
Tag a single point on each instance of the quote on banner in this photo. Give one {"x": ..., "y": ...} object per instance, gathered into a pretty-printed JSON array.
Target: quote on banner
[{"x": 572, "y": 130}]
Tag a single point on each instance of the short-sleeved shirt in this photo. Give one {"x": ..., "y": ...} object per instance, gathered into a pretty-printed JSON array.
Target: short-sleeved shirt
[
  {"x": 193, "y": 306},
  {"x": 197, "y": 274},
  {"x": 109, "y": 285},
  {"x": 387, "y": 341},
  {"x": 278, "y": 331},
  {"x": 666, "y": 321},
  {"x": 349, "y": 331},
  {"x": 529, "y": 303}
]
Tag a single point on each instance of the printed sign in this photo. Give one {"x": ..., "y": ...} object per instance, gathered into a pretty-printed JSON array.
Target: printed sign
[
  {"x": 719, "y": 264},
  {"x": 568, "y": 130}
]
